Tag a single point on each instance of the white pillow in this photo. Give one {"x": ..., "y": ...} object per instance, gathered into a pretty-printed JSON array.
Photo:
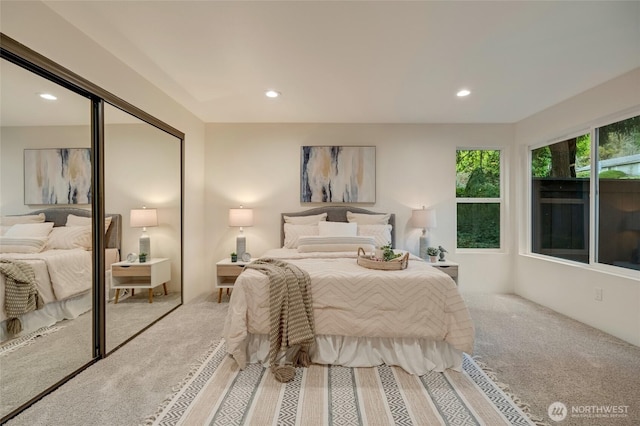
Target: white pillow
[
  {"x": 335, "y": 244},
  {"x": 293, "y": 232},
  {"x": 337, "y": 229},
  {"x": 306, "y": 220},
  {"x": 381, "y": 233},
  {"x": 13, "y": 220},
  {"x": 22, "y": 244},
  {"x": 73, "y": 220},
  {"x": 29, "y": 230},
  {"x": 368, "y": 219},
  {"x": 69, "y": 237}
]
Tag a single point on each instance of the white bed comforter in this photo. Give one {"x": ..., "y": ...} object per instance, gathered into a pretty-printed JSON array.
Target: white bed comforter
[
  {"x": 60, "y": 274},
  {"x": 420, "y": 302}
]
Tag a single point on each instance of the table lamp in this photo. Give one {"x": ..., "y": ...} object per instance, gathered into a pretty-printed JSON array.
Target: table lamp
[
  {"x": 423, "y": 218},
  {"x": 142, "y": 218},
  {"x": 240, "y": 218}
]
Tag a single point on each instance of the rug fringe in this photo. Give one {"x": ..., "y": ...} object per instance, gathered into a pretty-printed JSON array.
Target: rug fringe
[
  {"x": 195, "y": 366},
  {"x": 526, "y": 408},
  {"x": 28, "y": 339}
]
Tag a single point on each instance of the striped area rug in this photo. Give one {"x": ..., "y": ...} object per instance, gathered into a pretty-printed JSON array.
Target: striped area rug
[{"x": 217, "y": 393}]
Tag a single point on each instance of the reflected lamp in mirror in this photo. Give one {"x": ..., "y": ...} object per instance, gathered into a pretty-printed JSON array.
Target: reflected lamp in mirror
[
  {"x": 144, "y": 218},
  {"x": 240, "y": 218},
  {"x": 425, "y": 219}
]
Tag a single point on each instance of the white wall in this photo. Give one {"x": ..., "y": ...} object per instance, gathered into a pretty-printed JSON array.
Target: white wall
[
  {"x": 562, "y": 286},
  {"x": 36, "y": 26},
  {"x": 258, "y": 165}
]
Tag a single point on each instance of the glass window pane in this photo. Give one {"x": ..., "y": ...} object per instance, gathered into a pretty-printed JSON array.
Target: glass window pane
[
  {"x": 478, "y": 173},
  {"x": 560, "y": 199},
  {"x": 619, "y": 193},
  {"x": 478, "y": 225}
]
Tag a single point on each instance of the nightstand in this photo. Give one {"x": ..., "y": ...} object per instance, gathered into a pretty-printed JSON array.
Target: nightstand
[
  {"x": 448, "y": 267},
  {"x": 226, "y": 274},
  {"x": 136, "y": 275}
]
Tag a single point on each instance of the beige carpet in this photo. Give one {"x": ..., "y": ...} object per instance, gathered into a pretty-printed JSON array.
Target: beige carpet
[
  {"x": 218, "y": 393},
  {"x": 542, "y": 355}
]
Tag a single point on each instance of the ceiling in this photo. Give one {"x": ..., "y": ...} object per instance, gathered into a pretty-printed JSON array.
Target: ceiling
[{"x": 366, "y": 62}]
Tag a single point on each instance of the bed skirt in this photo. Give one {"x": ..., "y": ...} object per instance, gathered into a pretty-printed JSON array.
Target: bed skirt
[
  {"x": 50, "y": 314},
  {"x": 416, "y": 356}
]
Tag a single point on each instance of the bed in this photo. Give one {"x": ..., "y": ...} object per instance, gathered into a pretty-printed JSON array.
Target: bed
[
  {"x": 413, "y": 318},
  {"x": 58, "y": 249}
]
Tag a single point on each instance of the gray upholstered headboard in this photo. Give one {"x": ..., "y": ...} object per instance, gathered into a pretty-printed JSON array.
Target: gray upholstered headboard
[
  {"x": 337, "y": 214},
  {"x": 58, "y": 215}
]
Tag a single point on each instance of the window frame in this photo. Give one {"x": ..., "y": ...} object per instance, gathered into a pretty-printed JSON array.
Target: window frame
[
  {"x": 594, "y": 194},
  {"x": 500, "y": 201}
]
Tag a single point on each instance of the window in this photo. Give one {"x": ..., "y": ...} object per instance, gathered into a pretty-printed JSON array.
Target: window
[
  {"x": 560, "y": 199},
  {"x": 561, "y": 212},
  {"x": 479, "y": 199},
  {"x": 618, "y": 199}
]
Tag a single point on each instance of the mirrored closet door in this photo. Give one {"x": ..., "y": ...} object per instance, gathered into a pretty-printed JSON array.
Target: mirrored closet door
[
  {"x": 45, "y": 170},
  {"x": 142, "y": 183},
  {"x": 65, "y": 164}
]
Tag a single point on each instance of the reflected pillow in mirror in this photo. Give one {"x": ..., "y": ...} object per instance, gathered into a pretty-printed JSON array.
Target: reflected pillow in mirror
[
  {"x": 69, "y": 237},
  {"x": 73, "y": 220},
  {"x": 14, "y": 220},
  {"x": 29, "y": 230},
  {"x": 22, "y": 244}
]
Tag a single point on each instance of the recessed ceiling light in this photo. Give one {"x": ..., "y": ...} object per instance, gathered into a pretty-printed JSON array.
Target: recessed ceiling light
[
  {"x": 462, "y": 93},
  {"x": 272, "y": 94},
  {"x": 48, "y": 96}
]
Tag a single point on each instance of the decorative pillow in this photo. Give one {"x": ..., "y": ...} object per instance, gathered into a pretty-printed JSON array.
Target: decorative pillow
[
  {"x": 73, "y": 220},
  {"x": 337, "y": 229},
  {"x": 381, "y": 233},
  {"x": 29, "y": 230},
  {"x": 13, "y": 220},
  {"x": 306, "y": 220},
  {"x": 335, "y": 244},
  {"x": 69, "y": 237},
  {"x": 293, "y": 232},
  {"x": 22, "y": 244},
  {"x": 368, "y": 219}
]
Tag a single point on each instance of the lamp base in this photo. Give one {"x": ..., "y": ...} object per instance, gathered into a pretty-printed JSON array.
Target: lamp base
[
  {"x": 145, "y": 245},
  {"x": 241, "y": 246},
  {"x": 424, "y": 243}
]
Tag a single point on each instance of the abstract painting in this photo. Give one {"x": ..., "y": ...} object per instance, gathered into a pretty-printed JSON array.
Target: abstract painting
[
  {"x": 57, "y": 176},
  {"x": 338, "y": 174}
]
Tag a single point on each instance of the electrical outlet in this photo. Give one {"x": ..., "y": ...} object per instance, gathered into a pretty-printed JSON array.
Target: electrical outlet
[{"x": 598, "y": 294}]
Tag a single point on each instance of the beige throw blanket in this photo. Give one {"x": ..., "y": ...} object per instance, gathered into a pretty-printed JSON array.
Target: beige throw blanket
[
  {"x": 291, "y": 315},
  {"x": 21, "y": 294}
]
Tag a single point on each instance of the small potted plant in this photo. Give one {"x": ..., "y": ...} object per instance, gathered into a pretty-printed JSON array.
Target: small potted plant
[
  {"x": 432, "y": 252},
  {"x": 234, "y": 257},
  {"x": 142, "y": 257}
]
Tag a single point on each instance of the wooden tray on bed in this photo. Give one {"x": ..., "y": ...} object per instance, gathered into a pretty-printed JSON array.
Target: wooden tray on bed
[{"x": 370, "y": 262}]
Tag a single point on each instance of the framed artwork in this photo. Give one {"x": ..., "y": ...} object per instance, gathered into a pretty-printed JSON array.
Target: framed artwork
[
  {"x": 57, "y": 176},
  {"x": 338, "y": 174}
]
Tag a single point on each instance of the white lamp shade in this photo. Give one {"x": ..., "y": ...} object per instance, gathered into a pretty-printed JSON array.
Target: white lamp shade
[
  {"x": 141, "y": 218},
  {"x": 240, "y": 217},
  {"x": 423, "y": 218}
]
